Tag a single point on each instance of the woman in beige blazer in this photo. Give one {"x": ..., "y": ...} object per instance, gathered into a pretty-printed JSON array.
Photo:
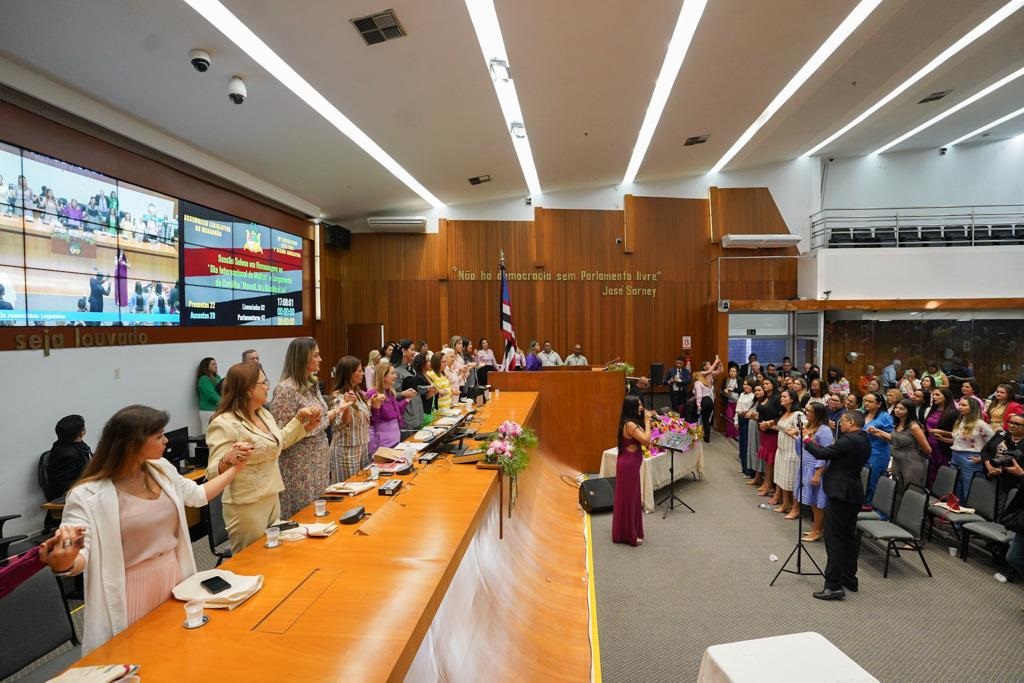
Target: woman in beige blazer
[{"x": 252, "y": 501}]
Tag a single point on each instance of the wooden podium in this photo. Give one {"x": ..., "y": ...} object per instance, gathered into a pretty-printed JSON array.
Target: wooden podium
[{"x": 578, "y": 413}]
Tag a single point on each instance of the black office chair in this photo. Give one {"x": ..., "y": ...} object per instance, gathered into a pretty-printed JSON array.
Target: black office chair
[
  {"x": 6, "y": 541},
  {"x": 216, "y": 531},
  {"x": 34, "y": 620}
]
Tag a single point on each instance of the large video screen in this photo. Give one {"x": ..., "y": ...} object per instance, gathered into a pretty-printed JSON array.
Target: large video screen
[
  {"x": 78, "y": 248},
  {"x": 238, "y": 272}
]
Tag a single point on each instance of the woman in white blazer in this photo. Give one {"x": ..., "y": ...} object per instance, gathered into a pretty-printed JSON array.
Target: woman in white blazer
[{"x": 124, "y": 519}]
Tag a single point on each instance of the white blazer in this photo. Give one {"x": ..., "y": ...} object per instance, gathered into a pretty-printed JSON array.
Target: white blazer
[{"x": 94, "y": 505}]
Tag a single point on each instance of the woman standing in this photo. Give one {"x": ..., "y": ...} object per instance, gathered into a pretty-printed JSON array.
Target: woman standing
[
  {"x": 121, "y": 279},
  {"x": 455, "y": 375},
  {"x": 892, "y": 399},
  {"x": 837, "y": 384},
  {"x": 252, "y": 503},
  {"x": 799, "y": 385},
  {"x": 371, "y": 367},
  {"x": 876, "y": 420},
  {"x": 816, "y": 393},
  {"x": 768, "y": 411},
  {"x": 812, "y": 493},
  {"x": 742, "y": 406},
  {"x": 132, "y": 502},
  {"x": 1001, "y": 406},
  {"x": 304, "y": 465},
  {"x": 628, "y": 510},
  {"x": 754, "y": 460},
  {"x": 485, "y": 360},
  {"x": 909, "y": 383},
  {"x": 704, "y": 394},
  {"x": 731, "y": 393},
  {"x": 437, "y": 377},
  {"x": 910, "y": 448},
  {"x": 349, "y": 452},
  {"x": 970, "y": 434},
  {"x": 787, "y": 462},
  {"x": 927, "y": 385},
  {"x": 938, "y": 425},
  {"x": 207, "y": 380},
  {"x": 386, "y": 409}
]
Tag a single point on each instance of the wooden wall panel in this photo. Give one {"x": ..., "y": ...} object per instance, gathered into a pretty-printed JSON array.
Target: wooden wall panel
[{"x": 670, "y": 237}]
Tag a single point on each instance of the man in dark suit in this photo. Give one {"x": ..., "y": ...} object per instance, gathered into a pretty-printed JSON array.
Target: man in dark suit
[
  {"x": 845, "y": 496},
  {"x": 745, "y": 368}
]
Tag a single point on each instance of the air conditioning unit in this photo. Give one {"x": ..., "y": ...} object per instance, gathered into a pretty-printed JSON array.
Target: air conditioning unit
[
  {"x": 397, "y": 223},
  {"x": 759, "y": 241}
]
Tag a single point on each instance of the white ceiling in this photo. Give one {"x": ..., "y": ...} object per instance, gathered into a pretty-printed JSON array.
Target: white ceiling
[{"x": 584, "y": 72}]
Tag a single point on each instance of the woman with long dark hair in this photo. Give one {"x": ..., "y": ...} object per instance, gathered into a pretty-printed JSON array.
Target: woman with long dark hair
[
  {"x": 1001, "y": 406},
  {"x": 207, "y": 380},
  {"x": 837, "y": 383},
  {"x": 910, "y": 448},
  {"x": 768, "y": 411},
  {"x": 348, "y": 451},
  {"x": 787, "y": 463},
  {"x": 731, "y": 394},
  {"x": 704, "y": 394},
  {"x": 938, "y": 426},
  {"x": 876, "y": 421},
  {"x": 743, "y": 404},
  {"x": 754, "y": 460},
  {"x": 132, "y": 502},
  {"x": 628, "y": 510},
  {"x": 812, "y": 493}
]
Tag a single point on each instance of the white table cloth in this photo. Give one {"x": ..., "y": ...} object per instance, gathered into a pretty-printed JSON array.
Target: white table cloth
[
  {"x": 794, "y": 658},
  {"x": 654, "y": 471}
]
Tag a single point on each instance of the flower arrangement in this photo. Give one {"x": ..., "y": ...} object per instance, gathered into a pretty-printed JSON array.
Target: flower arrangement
[
  {"x": 672, "y": 423},
  {"x": 510, "y": 447},
  {"x": 621, "y": 366}
]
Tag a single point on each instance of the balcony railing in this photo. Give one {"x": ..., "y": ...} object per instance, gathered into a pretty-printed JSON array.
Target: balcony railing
[{"x": 919, "y": 226}]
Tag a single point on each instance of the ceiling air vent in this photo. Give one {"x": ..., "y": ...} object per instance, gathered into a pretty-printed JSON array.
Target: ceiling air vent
[
  {"x": 696, "y": 140},
  {"x": 477, "y": 180},
  {"x": 935, "y": 96},
  {"x": 376, "y": 28}
]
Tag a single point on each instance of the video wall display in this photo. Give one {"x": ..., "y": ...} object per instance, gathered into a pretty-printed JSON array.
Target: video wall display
[
  {"x": 78, "y": 248},
  {"x": 237, "y": 272}
]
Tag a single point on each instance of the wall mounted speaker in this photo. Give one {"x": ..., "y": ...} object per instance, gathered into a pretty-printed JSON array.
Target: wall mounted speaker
[{"x": 337, "y": 236}]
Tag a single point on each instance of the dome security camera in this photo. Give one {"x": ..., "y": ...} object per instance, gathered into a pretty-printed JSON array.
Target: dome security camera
[
  {"x": 618, "y": 240},
  {"x": 200, "y": 60},
  {"x": 237, "y": 91}
]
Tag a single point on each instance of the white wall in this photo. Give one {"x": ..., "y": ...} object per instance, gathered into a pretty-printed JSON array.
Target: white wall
[
  {"x": 968, "y": 175},
  {"x": 39, "y": 390},
  {"x": 916, "y": 273}
]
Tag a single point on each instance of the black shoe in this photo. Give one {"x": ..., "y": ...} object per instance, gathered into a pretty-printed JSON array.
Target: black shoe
[
  {"x": 829, "y": 594},
  {"x": 852, "y": 587}
]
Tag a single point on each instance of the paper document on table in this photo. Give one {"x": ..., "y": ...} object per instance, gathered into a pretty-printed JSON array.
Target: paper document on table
[
  {"x": 350, "y": 488},
  {"x": 446, "y": 421},
  {"x": 412, "y": 446},
  {"x": 98, "y": 674},
  {"x": 393, "y": 454}
]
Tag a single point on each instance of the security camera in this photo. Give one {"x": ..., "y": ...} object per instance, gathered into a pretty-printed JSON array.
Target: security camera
[
  {"x": 618, "y": 240},
  {"x": 200, "y": 60},
  {"x": 942, "y": 151},
  {"x": 831, "y": 159},
  {"x": 236, "y": 90}
]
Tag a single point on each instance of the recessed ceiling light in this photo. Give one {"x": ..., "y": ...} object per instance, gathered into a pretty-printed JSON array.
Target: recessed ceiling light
[
  {"x": 1001, "y": 119},
  {"x": 861, "y": 12},
  {"x": 686, "y": 26},
  {"x": 952, "y": 110},
  {"x": 696, "y": 140},
  {"x": 488, "y": 34},
  {"x": 240, "y": 34},
  {"x": 935, "y": 96},
  {"x": 977, "y": 32}
]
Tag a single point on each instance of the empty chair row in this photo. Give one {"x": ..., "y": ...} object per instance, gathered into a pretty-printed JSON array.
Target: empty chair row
[{"x": 926, "y": 236}]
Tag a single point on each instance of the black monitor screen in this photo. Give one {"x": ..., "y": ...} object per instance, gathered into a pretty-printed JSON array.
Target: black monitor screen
[{"x": 177, "y": 444}]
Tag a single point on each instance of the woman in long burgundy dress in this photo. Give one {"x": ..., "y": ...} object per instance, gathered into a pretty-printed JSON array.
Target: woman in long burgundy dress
[
  {"x": 628, "y": 511},
  {"x": 121, "y": 278}
]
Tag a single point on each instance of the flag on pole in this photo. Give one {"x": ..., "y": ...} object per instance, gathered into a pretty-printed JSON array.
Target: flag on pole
[{"x": 507, "y": 333}]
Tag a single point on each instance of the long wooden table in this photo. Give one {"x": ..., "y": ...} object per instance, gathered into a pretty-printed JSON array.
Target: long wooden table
[{"x": 350, "y": 607}]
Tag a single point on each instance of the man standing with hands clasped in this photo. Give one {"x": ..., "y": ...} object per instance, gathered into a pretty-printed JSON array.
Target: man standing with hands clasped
[{"x": 845, "y": 496}]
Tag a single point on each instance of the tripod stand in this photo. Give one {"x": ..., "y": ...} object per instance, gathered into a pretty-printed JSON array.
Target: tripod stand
[
  {"x": 799, "y": 548},
  {"x": 668, "y": 442}
]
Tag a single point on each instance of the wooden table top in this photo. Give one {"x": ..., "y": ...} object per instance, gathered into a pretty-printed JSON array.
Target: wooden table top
[
  {"x": 194, "y": 475},
  {"x": 352, "y": 606}
]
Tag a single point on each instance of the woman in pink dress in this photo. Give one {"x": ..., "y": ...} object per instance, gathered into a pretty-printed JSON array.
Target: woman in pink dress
[
  {"x": 628, "y": 509},
  {"x": 124, "y": 523}
]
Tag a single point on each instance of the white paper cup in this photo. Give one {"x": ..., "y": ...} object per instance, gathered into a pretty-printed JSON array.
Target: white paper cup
[
  {"x": 194, "y": 613},
  {"x": 497, "y": 394},
  {"x": 321, "y": 507},
  {"x": 952, "y": 551},
  {"x": 273, "y": 537},
  {"x": 374, "y": 473}
]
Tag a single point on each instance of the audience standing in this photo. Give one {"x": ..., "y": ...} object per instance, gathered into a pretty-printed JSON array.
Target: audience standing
[
  {"x": 351, "y": 426},
  {"x": 970, "y": 434},
  {"x": 812, "y": 469},
  {"x": 386, "y": 409},
  {"x": 207, "y": 381},
  {"x": 876, "y": 421}
]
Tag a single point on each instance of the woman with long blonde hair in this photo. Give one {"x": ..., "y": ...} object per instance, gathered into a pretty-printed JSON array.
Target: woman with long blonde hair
[
  {"x": 970, "y": 434},
  {"x": 370, "y": 367}
]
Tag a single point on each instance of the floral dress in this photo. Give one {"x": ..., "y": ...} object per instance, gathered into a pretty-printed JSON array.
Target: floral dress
[
  {"x": 304, "y": 466},
  {"x": 349, "y": 452}
]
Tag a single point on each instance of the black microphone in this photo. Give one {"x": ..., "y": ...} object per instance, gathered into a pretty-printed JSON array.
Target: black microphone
[{"x": 799, "y": 420}]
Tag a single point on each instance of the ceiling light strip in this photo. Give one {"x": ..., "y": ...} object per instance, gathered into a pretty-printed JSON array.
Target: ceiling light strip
[
  {"x": 987, "y": 126},
  {"x": 952, "y": 110},
  {"x": 240, "y": 34},
  {"x": 488, "y": 34},
  {"x": 977, "y": 32},
  {"x": 860, "y": 13},
  {"x": 686, "y": 26}
]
